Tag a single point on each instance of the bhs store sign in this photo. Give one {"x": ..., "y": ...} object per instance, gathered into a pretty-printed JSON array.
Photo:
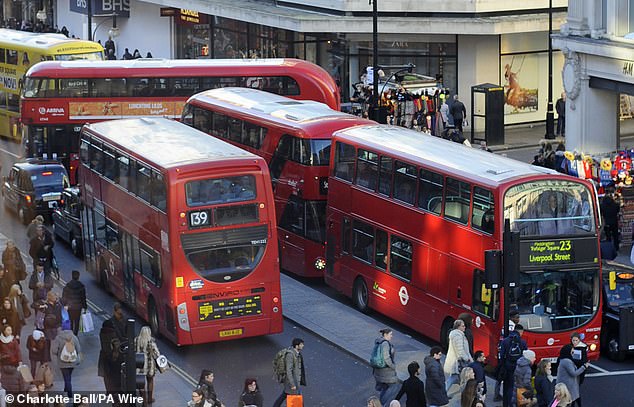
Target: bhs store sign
[{"x": 102, "y": 7}]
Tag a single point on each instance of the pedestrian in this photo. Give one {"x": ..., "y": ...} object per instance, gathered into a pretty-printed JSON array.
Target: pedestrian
[
  {"x": 118, "y": 322},
  {"x": 478, "y": 369},
  {"x": 52, "y": 315},
  {"x": 12, "y": 381},
  {"x": 413, "y": 387},
  {"x": 561, "y": 396},
  {"x": 9, "y": 347},
  {"x": 198, "y": 399},
  {"x": 610, "y": 212},
  {"x": 444, "y": 111},
  {"x": 295, "y": 371},
  {"x": 9, "y": 316},
  {"x": 560, "y": 107},
  {"x": 109, "y": 364},
  {"x": 146, "y": 344},
  {"x": 251, "y": 395},
  {"x": 468, "y": 333},
  {"x": 458, "y": 112},
  {"x": 41, "y": 248},
  {"x": 435, "y": 378},
  {"x": 458, "y": 355},
  {"x": 39, "y": 351},
  {"x": 109, "y": 45},
  {"x": 374, "y": 401},
  {"x": 40, "y": 283},
  {"x": 64, "y": 31},
  {"x": 149, "y": 55},
  {"x": 74, "y": 300},
  {"x": 523, "y": 379},
  {"x": 470, "y": 393},
  {"x": 206, "y": 386},
  {"x": 13, "y": 263},
  {"x": 544, "y": 384},
  {"x": 32, "y": 228},
  {"x": 387, "y": 383},
  {"x": 5, "y": 282},
  {"x": 136, "y": 54},
  {"x": 110, "y": 55},
  {"x": 68, "y": 352},
  {"x": 126, "y": 54},
  {"x": 512, "y": 348},
  {"x": 455, "y": 391},
  {"x": 568, "y": 373},
  {"x": 579, "y": 353}
]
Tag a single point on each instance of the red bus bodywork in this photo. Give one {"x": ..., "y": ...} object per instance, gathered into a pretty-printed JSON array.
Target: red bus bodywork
[
  {"x": 154, "y": 87},
  {"x": 287, "y": 127},
  {"x": 148, "y": 251},
  {"x": 444, "y": 248}
]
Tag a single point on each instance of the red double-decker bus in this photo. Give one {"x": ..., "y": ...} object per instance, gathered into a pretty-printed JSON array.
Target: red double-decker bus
[
  {"x": 411, "y": 216},
  {"x": 181, "y": 227},
  {"x": 294, "y": 138},
  {"x": 59, "y": 97}
]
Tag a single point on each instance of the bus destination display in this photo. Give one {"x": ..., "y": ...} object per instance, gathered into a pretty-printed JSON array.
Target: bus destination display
[
  {"x": 230, "y": 308},
  {"x": 538, "y": 253}
]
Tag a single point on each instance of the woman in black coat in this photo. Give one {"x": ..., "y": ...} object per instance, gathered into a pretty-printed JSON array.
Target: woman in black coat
[{"x": 544, "y": 384}]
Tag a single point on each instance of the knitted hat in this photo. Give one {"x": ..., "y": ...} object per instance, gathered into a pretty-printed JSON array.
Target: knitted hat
[{"x": 529, "y": 354}]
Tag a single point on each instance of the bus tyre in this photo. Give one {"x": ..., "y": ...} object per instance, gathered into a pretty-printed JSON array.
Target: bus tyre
[
  {"x": 360, "y": 295},
  {"x": 447, "y": 325},
  {"x": 153, "y": 318}
]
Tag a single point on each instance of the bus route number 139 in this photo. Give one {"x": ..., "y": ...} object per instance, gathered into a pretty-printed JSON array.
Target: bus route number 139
[{"x": 199, "y": 218}]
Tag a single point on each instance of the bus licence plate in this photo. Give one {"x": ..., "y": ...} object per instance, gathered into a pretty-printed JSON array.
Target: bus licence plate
[{"x": 231, "y": 332}]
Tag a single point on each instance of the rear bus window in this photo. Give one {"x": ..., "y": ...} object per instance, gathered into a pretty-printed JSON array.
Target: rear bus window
[{"x": 220, "y": 190}]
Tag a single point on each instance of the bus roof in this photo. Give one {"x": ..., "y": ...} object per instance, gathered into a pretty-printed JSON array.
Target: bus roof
[
  {"x": 166, "y": 67},
  {"x": 448, "y": 156},
  {"x": 165, "y": 143},
  {"x": 53, "y": 42},
  {"x": 258, "y": 102}
]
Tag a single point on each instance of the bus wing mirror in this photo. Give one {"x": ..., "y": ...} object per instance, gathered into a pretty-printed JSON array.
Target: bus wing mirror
[
  {"x": 612, "y": 280},
  {"x": 492, "y": 268}
]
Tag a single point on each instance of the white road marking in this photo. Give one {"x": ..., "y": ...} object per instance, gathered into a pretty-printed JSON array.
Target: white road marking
[{"x": 10, "y": 153}]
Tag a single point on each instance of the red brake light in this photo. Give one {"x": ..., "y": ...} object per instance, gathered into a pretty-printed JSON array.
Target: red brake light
[
  {"x": 28, "y": 199},
  {"x": 47, "y": 173}
]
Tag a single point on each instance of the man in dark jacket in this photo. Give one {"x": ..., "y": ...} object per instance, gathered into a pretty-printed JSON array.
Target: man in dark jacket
[
  {"x": 435, "y": 378},
  {"x": 74, "y": 299},
  {"x": 413, "y": 387},
  {"x": 458, "y": 112},
  {"x": 109, "y": 366},
  {"x": 610, "y": 212},
  {"x": 478, "y": 369},
  {"x": 508, "y": 358},
  {"x": 560, "y": 107},
  {"x": 41, "y": 247},
  {"x": 40, "y": 282}
]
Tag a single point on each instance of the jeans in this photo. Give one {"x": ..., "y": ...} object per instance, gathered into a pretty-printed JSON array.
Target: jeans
[
  {"x": 74, "y": 315},
  {"x": 387, "y": 392},
  {"x": 561, "y": 125},
  {"x": 453, "y": 379},
  {"x": 67, "y": 372}
]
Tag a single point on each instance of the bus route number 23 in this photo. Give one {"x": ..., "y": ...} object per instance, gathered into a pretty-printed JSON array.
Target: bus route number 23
[
  {"x": 564, "y": 245},
  {"x": 199, "y": 218}
]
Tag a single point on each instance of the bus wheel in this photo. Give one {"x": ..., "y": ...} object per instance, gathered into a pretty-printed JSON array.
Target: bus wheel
[
  {"x": 360, "y": 295},
  {"x": 447, "y": 325},
  {"x": 153, "y": 318}
]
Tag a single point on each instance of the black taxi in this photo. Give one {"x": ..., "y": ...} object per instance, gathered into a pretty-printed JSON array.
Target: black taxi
[
  {"x": 67, "y": 220},
  {"x": 34, "y": 187}
]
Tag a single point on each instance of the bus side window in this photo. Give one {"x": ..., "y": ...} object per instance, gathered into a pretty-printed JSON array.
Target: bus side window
[
  {"x": 344, "y": 161},
  {"x": 293, "y": 216},
  {"x": 485, "y": 301},
  {"x": 430, "y": 191},
  {"x": 12, "y": 57},
  {"x": 457, "y": 200},
  {"x": 363, "y": 241},
  {"x": 404, "y": 182},
  {"x": 483, "y": 210},
  {"x": 380, "y": 254},
  {"x": 281, "y": 155},
  {"x": 346, "y": 230},
  {"x": 367, "y": 171},
  {"x": 2, "y": 55},
  {"x": 385, "y": 176},
  {"x": 401, "y": 258}
]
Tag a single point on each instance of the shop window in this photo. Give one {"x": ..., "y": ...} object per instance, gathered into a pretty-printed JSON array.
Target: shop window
[
  {"x": 367, "y": 171},
  {"x": 430, "y": 191},
  {"x": 404, "y": 182},
  {"x": 344, "y": 161}
]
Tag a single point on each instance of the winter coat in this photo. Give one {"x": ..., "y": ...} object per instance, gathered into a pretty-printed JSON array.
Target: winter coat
[
  {"x": 480, "y": 376},
  {"x": 544, "y": 390},
  {"x": 12, "y": 380},
  {"x": 51, "y": 325},
  {"x": 568, "y": 374},
  {"x": 40, "y": 293},
  {"x": 435, "y": 382},
  {"x": 251, "y": 398},
  {"x": 209, "y": 393},
  {"x": 74, "y": 295},
  {"x": 109, "y": 366},
  {"x": 151, "y": 352},
  {"x": 386, "y": 374},
  {"x": 10, "y": 317},
  {"x": 457, "y": 111},
  {"x": 414, "y": 388},
  {"x": 457, "y": 353},
  {"x": 21, "y": 305},
  {"x": 523, "y": 373},
  {"x": 39, "y": 351},
  {"x": 42, "y": 248},
  {"x": 293, "y": 362},
  {"x": 14, "y": 265},
  {"x": 58, "y": 345},
  {"x": 10, "y": 351},
  {"x": 508, "y": 364}
]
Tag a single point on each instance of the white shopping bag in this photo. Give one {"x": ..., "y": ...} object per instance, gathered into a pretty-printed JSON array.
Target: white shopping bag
[{"x": 86, "y": 322}]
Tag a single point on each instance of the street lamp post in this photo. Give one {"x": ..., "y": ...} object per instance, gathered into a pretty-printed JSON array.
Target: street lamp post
[
  {"x": 550, "y": 116},
  {"x": 89, "y": 14}
]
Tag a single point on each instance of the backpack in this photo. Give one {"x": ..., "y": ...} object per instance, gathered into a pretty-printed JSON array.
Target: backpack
[
  {"x": 376, "y": 358},
  {"x": 68, "y": 353},
  {"x": 279, "y": 365},
  {"x": 515, "y": 350}
]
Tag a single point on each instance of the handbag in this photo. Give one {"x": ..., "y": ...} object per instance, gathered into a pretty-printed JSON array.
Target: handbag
[
  {"x": 87, "y": 324},
  {"x": 294, "y": 400},
  {"x": 162, "y": 364},
  {"x": 65, "y": 320},
  {"x": 44, "y": 374}
]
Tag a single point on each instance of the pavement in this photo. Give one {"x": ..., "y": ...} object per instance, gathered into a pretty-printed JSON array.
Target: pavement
[{"x": 341, "y": 325}]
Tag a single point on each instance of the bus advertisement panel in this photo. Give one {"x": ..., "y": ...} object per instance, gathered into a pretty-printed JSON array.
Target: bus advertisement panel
[
  {"x": 20, "y": 51},
  {"x": 294, "y": 138},
  {"x": 59, "y": 97},
  {"x": 182, "y": 231},
  {"x": 410, "y": 218}
]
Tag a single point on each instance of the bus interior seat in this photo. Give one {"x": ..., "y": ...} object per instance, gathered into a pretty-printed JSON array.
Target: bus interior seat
[
  {"x": 455, "y": 210},
  {"x": 534, "y": 322}
]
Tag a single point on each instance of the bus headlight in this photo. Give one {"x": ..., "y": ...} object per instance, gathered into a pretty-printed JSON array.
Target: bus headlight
[
  {"x": 593, "y": 347},
  {"x": 320, "y": 263}
]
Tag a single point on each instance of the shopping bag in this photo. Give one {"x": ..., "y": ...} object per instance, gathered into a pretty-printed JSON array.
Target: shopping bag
[
  {"x": 162, "y": 364},
  {"x": 25, "y": 371},
  {"x": 294, "y": 400},
  {"x": 65, "y": 320},
  {"x": 44, "y": 374},
  {"x": 87, "y": 324}
]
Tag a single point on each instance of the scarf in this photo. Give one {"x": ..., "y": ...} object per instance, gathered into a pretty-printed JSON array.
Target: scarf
[{"x": 6, "y": 339}]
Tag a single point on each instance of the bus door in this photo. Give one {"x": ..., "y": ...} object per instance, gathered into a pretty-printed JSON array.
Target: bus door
[{"x": 129, "y": 286}]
